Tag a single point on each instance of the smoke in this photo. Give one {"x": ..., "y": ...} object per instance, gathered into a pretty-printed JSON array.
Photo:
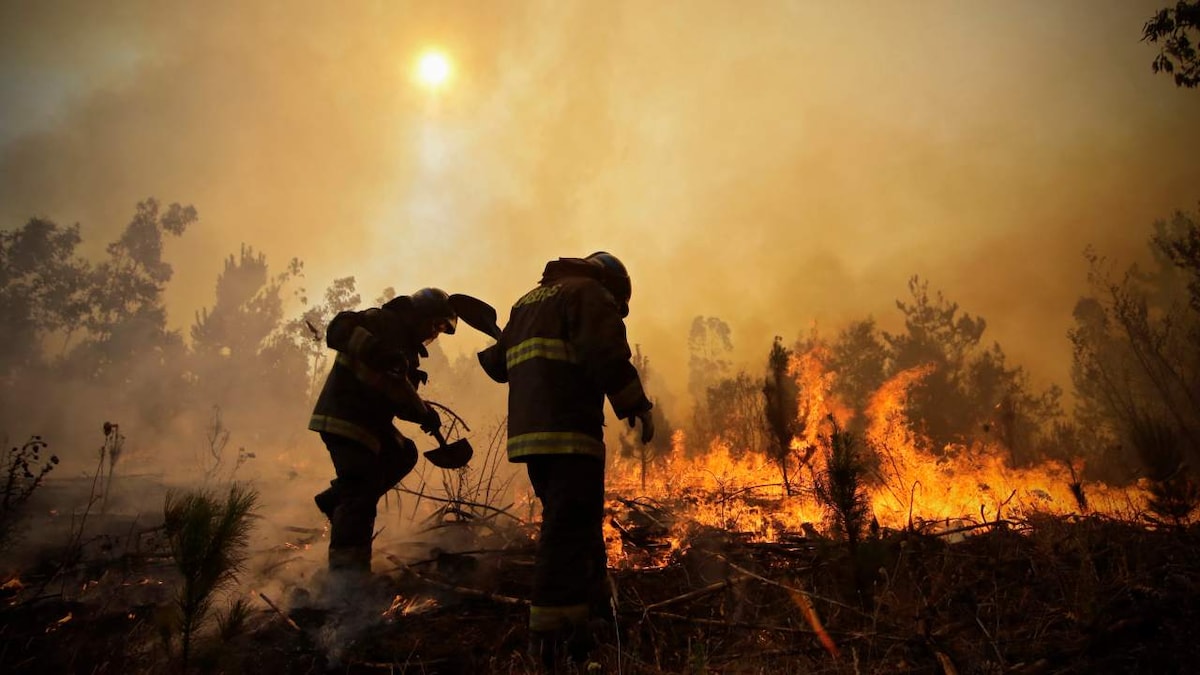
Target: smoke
[{"x": 775, "y": 165}]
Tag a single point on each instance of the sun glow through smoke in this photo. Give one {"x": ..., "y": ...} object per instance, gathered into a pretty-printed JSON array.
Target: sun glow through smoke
[{"x": 433, "y": 69}]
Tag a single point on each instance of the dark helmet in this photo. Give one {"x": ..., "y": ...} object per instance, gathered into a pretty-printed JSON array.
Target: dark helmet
[
  {"x": 615, "y": 278},
  {"x": 433, "y": 304}
]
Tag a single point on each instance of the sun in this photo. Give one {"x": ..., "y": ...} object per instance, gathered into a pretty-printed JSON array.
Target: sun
[{"x": 433, "y": 69}]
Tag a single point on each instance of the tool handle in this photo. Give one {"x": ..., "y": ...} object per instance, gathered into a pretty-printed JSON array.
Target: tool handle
[{"x": 437, "y": 435}]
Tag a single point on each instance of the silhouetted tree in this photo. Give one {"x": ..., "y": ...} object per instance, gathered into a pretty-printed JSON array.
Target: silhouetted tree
[
  {"x": 780, "y": 407},
  {"x": 240, "y": 362},
  {"x": 1134, "y": 343},
  {"x": 126, "y": 318},
  {"x": 860, "y": 359},
  {"x": 1177, "y": 29},
  {"x": 733, "y": 413},
  {"x": 971, "y": 389},
  {"x": 936, "y": 332},
  {"x": 42, "y": 289}
]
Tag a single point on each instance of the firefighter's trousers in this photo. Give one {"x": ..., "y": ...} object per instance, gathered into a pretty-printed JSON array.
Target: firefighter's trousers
[
  {"x": 570, "y": 565},
  {"x": 363, "y": 476}
]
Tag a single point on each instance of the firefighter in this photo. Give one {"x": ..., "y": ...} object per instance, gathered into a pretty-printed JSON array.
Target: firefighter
[
  {"x": 374, "y": 378},
  {"x": 563, "y": 351}
]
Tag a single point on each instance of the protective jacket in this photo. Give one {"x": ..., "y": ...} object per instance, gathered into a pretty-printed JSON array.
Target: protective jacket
[
  {"x": 563, "y": 351},
  {"x": 373, "y": 379}
]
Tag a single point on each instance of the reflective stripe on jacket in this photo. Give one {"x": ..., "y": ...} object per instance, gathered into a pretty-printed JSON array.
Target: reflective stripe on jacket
[
  {"x": 563, "y": 351},
  {"x": 358, "y": 402}
]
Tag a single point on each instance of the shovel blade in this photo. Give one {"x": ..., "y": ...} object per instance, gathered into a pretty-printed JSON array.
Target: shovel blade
[
  {"x": 451, "y": 455},
  {"x": 476, "y": 313}
]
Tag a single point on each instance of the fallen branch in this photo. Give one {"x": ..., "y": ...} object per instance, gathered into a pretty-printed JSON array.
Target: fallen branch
[
  {"x": 787, "y": 588},
  {"x": 287, "y": 619},
  {"x": 712, "y": 588},
  {"x": 974, "y": 526},
  {"x": 730, "y": 624}
]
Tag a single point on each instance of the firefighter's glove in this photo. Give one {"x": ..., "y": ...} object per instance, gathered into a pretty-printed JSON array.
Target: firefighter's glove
[
  {"x": 420, "y": 376},
  {"x": 647, "y": 420},
  {"x": 432, "y": 422}
]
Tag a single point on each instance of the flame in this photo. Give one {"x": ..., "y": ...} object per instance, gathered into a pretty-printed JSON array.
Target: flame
[
  {"x": 401, "y": 606},
  {"x": 736, "y": 490}
]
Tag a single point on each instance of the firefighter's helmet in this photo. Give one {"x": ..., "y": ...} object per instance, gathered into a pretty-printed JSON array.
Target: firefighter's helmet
[
  {"x": 433, "y": 304},
  {"x": 615, "y": 278}
]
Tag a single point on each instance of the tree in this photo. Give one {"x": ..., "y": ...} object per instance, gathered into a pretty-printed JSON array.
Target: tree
[
  {"x": 1177, "y": 29},
  {"x": 1134, "y": 343},
  {"x": 709, "y": 349},
  {"x": 309, "y": 329},
  {"x": 860, "y": 359},
  {"x": 936, "y": 333},
  {"x": 734, "y": 414},
  {"x": 971, "y": 388},
  {"x": 42, "y": 289},
  {"x": 780, "y": 408},
  {"x": 126, "y": 318},
  {"x": 241, "y": 363}
]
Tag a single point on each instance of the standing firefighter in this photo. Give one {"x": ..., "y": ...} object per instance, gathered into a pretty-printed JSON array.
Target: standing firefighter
[
  {"x": 373, "y": 379},
  {"x": 563, "y": 351}
]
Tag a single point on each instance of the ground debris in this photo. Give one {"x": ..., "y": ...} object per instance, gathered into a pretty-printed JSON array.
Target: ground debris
[{"x": 1038, "y": 595}]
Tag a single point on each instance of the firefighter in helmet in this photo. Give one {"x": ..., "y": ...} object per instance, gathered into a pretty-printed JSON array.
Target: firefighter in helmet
[
  {"x": 562, "y": 353},
  {"x": 374, "y": 378}
]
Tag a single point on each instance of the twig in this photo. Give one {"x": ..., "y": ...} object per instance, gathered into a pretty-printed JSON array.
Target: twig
[
  {"x": 975, "y": 526},
  {"x": 693, "y": 594},
  {"x": 790, "y": 589},
  {"x": 488, "y": 507},
  {"x": 748, "y": 488},
  {"x": 287, "y": 619}
]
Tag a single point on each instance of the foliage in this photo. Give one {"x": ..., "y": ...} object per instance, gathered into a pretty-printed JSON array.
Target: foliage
[
  {"x": 780, "y": 408},
  {"x": 22, "y": 476},
  {"x": 42, "y": 289},
  {"x": 841, "y": 485},
  {"x": 860, "y": 359},
  {"x": 733, "y": 414},
  {"x": 1134, "y": 342},
  {"x": 1174, "y": 495},
  {"x": 208, "y": 537},
  {"x": 709, "y": 348},
  {"x": 309, "y": 329},
  {"x": 1177, "y": 29},
  {"x": 971, "y": 388}
]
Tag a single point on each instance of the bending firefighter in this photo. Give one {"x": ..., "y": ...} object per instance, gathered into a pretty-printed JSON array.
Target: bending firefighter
[
  {"x": 562, "y": 353},
  {"x": 374, "y": 378}
]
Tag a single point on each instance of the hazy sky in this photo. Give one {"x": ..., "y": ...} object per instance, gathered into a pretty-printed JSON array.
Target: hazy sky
[{"x": 771, "y": 163}]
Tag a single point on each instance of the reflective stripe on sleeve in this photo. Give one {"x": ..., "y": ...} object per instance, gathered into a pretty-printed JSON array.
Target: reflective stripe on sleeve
[
  {"x": 545, "y": 348},
  {"x": 340, "y": 427},
  {"x": 554, "y": 443}
]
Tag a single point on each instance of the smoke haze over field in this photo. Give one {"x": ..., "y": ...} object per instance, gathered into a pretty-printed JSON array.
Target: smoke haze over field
[{"x": 769, "y": 163}]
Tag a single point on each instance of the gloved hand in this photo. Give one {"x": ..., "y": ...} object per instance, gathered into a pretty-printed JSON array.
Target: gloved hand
[
  {"x": 432, "y": 421},
  {"x": 647, "y": 419},
  {"x": 421, "y": 376}
]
